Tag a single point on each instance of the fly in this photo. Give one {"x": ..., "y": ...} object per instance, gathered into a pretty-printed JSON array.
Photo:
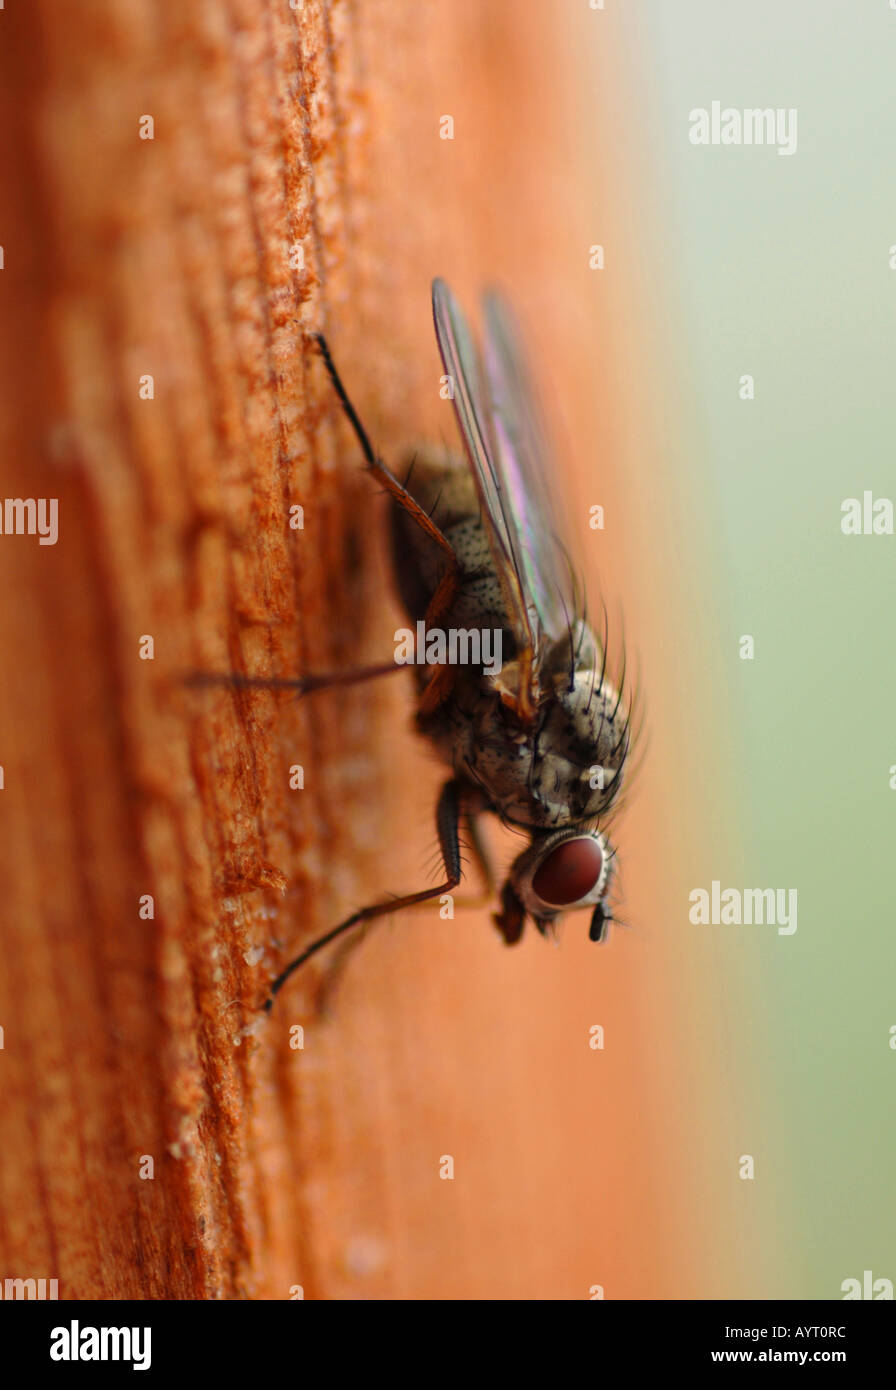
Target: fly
[{"x": 539, "y": 737}]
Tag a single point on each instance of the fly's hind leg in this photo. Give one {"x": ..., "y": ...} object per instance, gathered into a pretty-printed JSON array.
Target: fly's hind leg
[{"x": 443, "y": 599}]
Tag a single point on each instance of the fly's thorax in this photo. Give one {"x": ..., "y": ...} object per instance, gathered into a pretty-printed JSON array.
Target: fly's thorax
[
  {"x": 582, "y": 747},
  {"x": 568, "y": 768}
]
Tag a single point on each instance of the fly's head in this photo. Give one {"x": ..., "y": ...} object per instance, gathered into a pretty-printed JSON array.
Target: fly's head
[{"x": 560, "y": 871}]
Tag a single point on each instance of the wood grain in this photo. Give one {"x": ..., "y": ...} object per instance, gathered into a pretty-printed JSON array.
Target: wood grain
[{"x": 128, "y": 1038}]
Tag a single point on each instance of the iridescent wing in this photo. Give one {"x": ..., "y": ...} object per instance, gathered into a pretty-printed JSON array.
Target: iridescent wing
[
  {"x": 504, "y": 443},
  {"x": 521, "y": 463},
  {"x": 462, "y": 365}
]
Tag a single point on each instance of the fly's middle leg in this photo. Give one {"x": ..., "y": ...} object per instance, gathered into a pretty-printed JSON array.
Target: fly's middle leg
[{"x": 297, "y": 685}]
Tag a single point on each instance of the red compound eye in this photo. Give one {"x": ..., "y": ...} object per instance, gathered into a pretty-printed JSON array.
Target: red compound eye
[{"x": 569, "y": 872}]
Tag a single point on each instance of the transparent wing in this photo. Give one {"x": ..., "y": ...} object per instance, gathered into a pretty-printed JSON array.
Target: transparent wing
[
  {"x": 475, "y": 417},
  {"x": 526, "y": 487}
]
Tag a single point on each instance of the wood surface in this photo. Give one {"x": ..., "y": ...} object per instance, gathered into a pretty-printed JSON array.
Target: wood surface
[{"x": 129, "y": 1038}]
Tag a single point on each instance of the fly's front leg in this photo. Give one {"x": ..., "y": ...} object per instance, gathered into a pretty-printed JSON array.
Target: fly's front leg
[
  {"x": 342, "y": 955},
  {"x": 482, "y": 857},
  {"x": 335, "y": 970},
  {"x": 448, "y": 812},
  {"x": 512, "y": 917}
]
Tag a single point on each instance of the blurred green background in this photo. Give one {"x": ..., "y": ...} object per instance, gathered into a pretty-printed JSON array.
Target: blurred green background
[{"x": 777, "y": 770}]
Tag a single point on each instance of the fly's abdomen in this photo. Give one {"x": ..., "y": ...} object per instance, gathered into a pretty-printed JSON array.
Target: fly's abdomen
[{"x": 444, "y": 487}]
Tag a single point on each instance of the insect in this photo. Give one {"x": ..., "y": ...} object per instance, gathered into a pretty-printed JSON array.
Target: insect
[{"x": 539, "y": 738}]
